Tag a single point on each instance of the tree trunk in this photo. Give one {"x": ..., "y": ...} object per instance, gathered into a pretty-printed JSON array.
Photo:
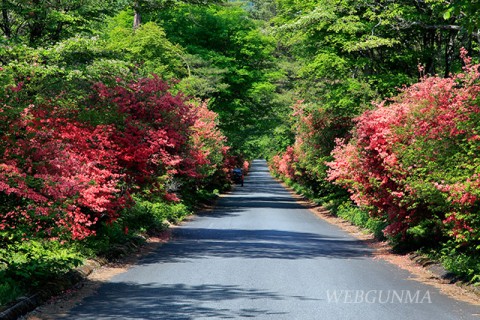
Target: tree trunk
[
  {"x": 449, "y": 52},
  {"x": 137, "y": 19},
  {"x": 36, "y": 23},
  {"x": 5, "y": 25}
]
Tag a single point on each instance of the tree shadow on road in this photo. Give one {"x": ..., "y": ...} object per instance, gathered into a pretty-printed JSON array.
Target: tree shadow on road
[
  {"x": 199, "y": 243},
  {"x": 171, "y": 301}
]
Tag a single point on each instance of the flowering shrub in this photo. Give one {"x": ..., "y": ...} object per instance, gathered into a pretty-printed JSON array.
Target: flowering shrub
[
  {"x": 60, "y": 174},
  {"x": 285, "y": 163},
  {"x": 154, "y": 131},
  {"x": 304, "y": 162},
  {"x": 368, "y": 167},
  {"x": 415, "y": 161},
  {"x": 208, "y": 142}
]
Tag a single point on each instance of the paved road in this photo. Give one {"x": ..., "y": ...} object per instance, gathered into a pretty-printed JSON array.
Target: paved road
[{"x": 261, "y": 255}]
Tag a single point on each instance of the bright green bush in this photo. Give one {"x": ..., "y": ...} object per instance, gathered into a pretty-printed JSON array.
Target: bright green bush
[
  {"x": 461, "y": 264},
  {"x": 360, "y": 217},
  {"x": 35, "y": 262},
  {"x": 154, "y": 214}
]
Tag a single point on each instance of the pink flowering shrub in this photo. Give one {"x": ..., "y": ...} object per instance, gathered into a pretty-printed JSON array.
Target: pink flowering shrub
[
  {"x": 208, "y": 142},
  {"x": 416, "y": 160},
  {"x": 304, "y": 162},
  {"x": 285, "y": 164}
]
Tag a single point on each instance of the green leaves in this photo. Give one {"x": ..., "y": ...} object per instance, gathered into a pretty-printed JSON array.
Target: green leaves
[
  {"x": 37, "y": 261},
  {"x": 40, "y": 22},
  {"x": 447, "y": 14},
  {"x": 149, "y": 47},
  {"x": 231, "y": 63}
]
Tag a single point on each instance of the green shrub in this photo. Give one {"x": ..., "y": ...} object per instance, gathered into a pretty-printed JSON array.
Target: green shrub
[
  {"x": 35, "y": 262},
  {"x": 153, "y": 214},
  {"x": 462, "y": 264},
  {"x": 9, "y": 289},
  {"x": 360, "y": 217}
]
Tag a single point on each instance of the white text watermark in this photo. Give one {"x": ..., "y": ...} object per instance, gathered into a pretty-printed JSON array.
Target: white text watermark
[{"x": 379, "y": 296}]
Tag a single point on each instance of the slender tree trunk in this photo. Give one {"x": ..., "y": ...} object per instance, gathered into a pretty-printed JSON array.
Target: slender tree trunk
[
  {"x": 429, "y": 49},
  {"x": 449, "y": 52},
  {"x": 58, "y": 31},
  {"x": 5, "y": 25},
  {"x": 137, "y": 19}
]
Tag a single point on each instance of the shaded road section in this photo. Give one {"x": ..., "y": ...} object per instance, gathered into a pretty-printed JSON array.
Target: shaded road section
[{"x": 261, "y": 255}]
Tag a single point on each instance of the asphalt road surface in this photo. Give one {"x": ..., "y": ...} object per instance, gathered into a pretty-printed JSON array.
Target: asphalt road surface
[{"x": 261, "y": 255}]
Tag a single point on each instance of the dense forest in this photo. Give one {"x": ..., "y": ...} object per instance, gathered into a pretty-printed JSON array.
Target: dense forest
[{"x": 119, "y": 117}]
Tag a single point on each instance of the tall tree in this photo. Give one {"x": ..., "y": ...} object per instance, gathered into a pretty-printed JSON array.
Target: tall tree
[
  {"x": 50, "y": 21},
  {"x": 141, "y": 6},
  {"x": 229, "y": 53},
  {"x": 262, "y": 9}
]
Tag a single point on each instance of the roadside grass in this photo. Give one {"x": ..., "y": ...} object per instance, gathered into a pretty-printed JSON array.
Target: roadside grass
[
  {"x": 342, "y": 207},
  {"x": 361, "y": 218},
  {"x": 9, "y": 289}
]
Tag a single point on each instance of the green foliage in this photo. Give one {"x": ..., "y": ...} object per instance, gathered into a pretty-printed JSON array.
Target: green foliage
[
  {"x": 262, "y": 9},
  {"x": 205, "y": 79},
  {"x": 231, "y": 63},
  {"x": 461, "y": 264},
  {"x": 65, "y": 71},
  {"x": 360, "y": 217},
  {"x": 153, "y": 215},
  {"x": 9, "y": 289},
  {"x": 463, "y": 12},
  {"x": 39, "y": 22},
  {"x": 35, "y": 262},
  {"x": 426, "y": 234},
  {"x": 146, "y": 46},
  {"x": 113, "y": 240}
]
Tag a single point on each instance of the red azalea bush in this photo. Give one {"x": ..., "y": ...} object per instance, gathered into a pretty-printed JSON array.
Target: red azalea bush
[
  {"x": 57, "y": 175},
  {"x": 154, "y": 129},
  {"x": 63, "y": 169},
  {"x": 415, "y": 161}
]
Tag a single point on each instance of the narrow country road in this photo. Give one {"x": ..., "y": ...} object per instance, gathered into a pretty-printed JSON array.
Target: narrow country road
[{"x": 261, "y": 255}]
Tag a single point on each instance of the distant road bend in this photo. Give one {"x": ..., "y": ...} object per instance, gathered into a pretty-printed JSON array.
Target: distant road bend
[{"x": 261, "y": 255}]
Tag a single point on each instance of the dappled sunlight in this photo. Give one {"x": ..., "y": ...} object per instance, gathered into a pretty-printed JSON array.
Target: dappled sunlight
[
  {"x": 197, "y": 243},
  {"x": 172, "y": 301}
]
